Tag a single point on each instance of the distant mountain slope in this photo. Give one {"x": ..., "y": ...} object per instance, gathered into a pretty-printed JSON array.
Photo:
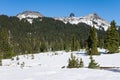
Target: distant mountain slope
[
  {"x": 90, "y": 19},
  {"x": 29, "y": 15}
]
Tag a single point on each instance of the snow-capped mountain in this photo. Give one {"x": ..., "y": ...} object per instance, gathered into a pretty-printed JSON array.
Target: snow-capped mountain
[
  {"x": 29, "y": 15},
  {"x": 90, "y": 19}
]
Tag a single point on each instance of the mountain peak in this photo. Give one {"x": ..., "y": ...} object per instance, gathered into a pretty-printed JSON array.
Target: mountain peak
[
  {"x": 90, "y": 19},
  {"x": 29, "y": 14},
  {"x": 92, "y": 16}
]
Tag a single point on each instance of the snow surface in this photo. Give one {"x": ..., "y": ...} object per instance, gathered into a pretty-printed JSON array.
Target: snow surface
[{"x": 48, "y": 66}]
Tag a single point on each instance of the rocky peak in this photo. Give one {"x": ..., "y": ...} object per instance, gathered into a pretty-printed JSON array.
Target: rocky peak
[
  {"x": 90, "y": 19},
  {"x": 29, "y": 14},
  {"x": 92, "y": 16}
]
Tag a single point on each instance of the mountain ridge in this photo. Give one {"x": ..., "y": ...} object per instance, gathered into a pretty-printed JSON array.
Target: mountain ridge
[
  {"x": 90, "y": 19},
  {"x": 29, "y": 15}
]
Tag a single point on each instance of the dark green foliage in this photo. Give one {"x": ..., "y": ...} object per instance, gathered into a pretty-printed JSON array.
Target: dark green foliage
[
  {"x": 44, "y": 34},
  {"x": 5, "y": 48},
  {"x": 112, "y": 39},
  {"x": 32, "y": 56},
  {"x": 17, "y": 58},
  {"x": 0, "y": 60},
  {"x": 81, "y": 64},
  {"x": 74, "y": 62},
  {"x": 92, "y": 42},
  {"x": 101, "y": 38},
  {"x": 73, "y": 43},
  {"x": 93, "y": 64},
  {"x": 42, "y": 47}
]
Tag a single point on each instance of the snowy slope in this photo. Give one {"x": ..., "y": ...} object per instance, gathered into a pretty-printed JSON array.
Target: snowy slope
[
  {"x": 29, "y": 15},
  {"x": 47, "y": 66},
  {"x": 90, "y": 19}
]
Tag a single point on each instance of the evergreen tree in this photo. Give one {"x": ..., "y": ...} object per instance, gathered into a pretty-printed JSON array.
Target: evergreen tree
[
  {"x": 5, "y": 48},
  {"x": 73, "y": 62},
  {"x": 93, "y": 64},
  {"x": 43, "y": 47},
  {"x": 92, "y": 42},
  {"x": 73, "y": 43},
  {"x": 81, "y": 63},
  {"x": 77, "y": 45},
  {"x": 0, "y": 59},
  {"x": 112, "y": 38}
]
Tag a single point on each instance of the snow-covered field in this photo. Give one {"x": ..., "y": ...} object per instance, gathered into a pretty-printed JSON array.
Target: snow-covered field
[{"x": 48, "y": 66}]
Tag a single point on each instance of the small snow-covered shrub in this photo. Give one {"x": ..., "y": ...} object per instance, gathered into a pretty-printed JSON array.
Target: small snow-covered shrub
[
  {"x": 17, "y": 58},
  {"x": 23, "y": 64},
  {"x": 18, "y": 63},
  {"x": 32, "y": 56}
]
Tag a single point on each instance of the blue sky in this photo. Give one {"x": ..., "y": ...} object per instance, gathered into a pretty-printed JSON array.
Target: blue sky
[{"x": 107, "y": 9}]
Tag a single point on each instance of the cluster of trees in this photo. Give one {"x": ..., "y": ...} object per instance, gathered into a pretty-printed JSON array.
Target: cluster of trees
[
  {"x": 74, "y": 62},
  {"x": 46, "y": 34},
  {"x": 111, "y": 41}
]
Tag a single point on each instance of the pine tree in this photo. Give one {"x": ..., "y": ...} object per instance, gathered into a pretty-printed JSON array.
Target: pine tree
[
  {"x": 0, "y": 59},
  {"x": 112, "y": 39},
  {"x": 77, "y": 46},
  {"x": 5, "y": 48},
  {"x": 32, "y": 56},
  {"x": 92, "y": 42},
  {"x": 93, "y": 64},
  {"x": 73, "y": 43},
  {"x": 73, "y": 62},
  {"x": 81, "y": 64}
]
